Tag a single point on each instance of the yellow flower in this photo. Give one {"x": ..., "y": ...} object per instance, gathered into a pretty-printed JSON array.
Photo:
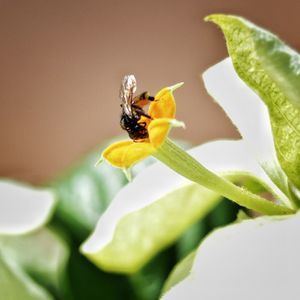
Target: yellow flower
[{"x": 124, "y": 154}]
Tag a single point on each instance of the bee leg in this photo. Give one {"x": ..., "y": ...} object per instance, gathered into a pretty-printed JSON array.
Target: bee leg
[
  {"x": 145, "y": 115},
  {"x": 140, "y": 112}
]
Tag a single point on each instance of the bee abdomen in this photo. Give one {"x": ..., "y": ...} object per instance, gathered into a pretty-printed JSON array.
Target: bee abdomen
[{"x": 136, "y": 131}]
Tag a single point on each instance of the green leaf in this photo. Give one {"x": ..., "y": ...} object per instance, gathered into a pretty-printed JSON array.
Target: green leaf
[
  {"x": 153, "y": 211},
  {"x": 88, "y": 282},
  {"x": 191, "y": 238},
  {"x": 223, "y": 214},
  {"x": 139, "y": 235},
  {"x": 282, "y": 64},
  {"x": 148, "y": 282},
  {"x": 180, "y": 272},
  {"x": 16, "y": 285},
  {"x": 144, "y": 232},
  {"x": 272, "y": 70},
  {"x": 84, "y": 192},
  {"x": 241, "y": 216},
  {"x": 251, "y": 117},
  {"x": 42, "y": 254}
]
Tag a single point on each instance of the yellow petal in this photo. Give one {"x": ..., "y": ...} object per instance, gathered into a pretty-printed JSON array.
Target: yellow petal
[
  {"x": 164, "y": 106},
  {"x": 124, "y": 154},
  {"x": 158, "y": 130}
]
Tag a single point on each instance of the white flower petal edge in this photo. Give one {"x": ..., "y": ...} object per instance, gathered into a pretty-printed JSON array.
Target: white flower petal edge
[
  {"x": 23, "y": 208},
  {"x": 255, "y": 259},
  {"x": 158, "y": 180},
  {"x": 249, "y": 114},
  {"x": 243, "y": 106}
]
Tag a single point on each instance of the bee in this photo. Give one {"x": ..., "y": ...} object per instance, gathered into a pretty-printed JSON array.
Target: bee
[{"x": 132, "y": 109}]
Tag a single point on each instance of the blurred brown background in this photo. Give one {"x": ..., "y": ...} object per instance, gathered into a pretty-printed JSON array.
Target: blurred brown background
[{"x": 61, "y": 63}]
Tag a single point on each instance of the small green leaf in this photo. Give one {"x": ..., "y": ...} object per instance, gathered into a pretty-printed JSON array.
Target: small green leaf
[
  {"x": 180, "y": 271},
  {"x": 272, "y": 70},
  {"x": 241, "y": 216}
]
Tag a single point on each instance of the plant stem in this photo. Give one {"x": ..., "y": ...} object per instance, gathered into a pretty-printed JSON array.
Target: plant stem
[{"x": 184, "y": 164}]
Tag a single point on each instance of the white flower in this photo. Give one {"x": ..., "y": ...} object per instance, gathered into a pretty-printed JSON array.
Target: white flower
[
  {"x": 23, "y": 208},
  {"x": 158, "y": 205},
  {"x": 254, "y": 259}
]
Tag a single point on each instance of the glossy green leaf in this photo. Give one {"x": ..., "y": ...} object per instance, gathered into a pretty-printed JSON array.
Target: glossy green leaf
[
  {"x": 148, "y": 282},
  {"x": 86, "y": 281},
  {"x": 143, "y": 233},
  {"x": 251, "y": 118},
  {"x": 180, "y": 272},
  {"x": 272, "y": 70},
  {"x": 223, "y": 214},
  {"x": 84, "y": 192},
  {"x": 191, "y": 238},
  {"x": 282, "y": 64},
  {"x": 17, "y": 285}
]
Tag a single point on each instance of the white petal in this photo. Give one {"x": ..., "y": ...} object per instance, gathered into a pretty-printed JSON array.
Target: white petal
[
  {"x": 23, "y": 208},
  {"x": 250, "y": 115},
  {"x": 158, "y": 180},
  {"x": 244, "y": 107},
  {"x": 256, "y": 259}
]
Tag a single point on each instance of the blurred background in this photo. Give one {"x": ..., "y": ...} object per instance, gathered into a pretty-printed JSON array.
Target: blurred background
[{"x": 62, "y": 63}]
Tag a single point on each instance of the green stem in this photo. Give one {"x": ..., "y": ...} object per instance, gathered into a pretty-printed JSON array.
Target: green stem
[{"x": 184, "y": 164}]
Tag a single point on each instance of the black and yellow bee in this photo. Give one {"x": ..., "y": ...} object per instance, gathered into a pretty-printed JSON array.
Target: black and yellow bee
[{"x": 132, "y": 109}]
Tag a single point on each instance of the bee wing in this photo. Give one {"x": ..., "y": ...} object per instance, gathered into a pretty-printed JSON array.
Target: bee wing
[{"x": 128, "y": 88}]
